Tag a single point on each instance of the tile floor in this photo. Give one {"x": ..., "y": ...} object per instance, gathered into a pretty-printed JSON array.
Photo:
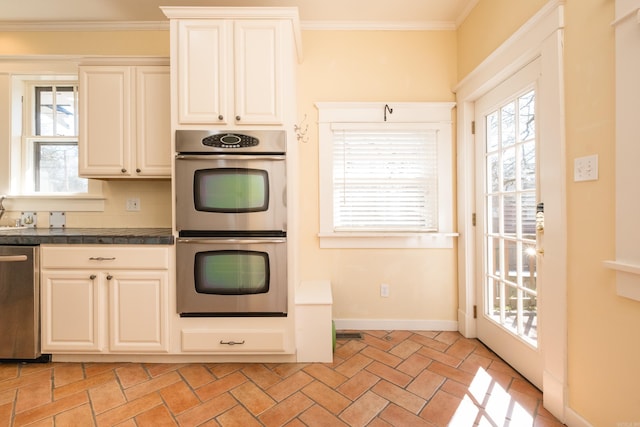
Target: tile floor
[{"x": 397, "y": 378}]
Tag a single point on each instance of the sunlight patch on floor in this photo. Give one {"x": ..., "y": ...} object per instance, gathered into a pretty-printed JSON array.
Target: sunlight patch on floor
[{"x": 487, "y": 403}]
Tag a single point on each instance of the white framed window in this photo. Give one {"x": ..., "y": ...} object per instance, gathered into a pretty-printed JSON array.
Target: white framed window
[
  {"x": 39, "y": 172},
  {"x": 386, "y": 175},
  {"x": 50, "y": 139}
]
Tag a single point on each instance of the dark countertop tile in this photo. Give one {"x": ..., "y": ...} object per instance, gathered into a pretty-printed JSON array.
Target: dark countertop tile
[{"x": 86, "y": 236}]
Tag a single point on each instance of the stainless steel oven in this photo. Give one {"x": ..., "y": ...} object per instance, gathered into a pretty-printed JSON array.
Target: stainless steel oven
[
  {"x": 231, "y": 218},
  {"x": 243, "y": 276},
  {"x": 228, "y": 181}
]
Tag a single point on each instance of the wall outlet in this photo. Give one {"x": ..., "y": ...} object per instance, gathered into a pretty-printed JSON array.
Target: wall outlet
[
  {"x": 384, "y": 290},
  {"x": 133, "y": 204}
]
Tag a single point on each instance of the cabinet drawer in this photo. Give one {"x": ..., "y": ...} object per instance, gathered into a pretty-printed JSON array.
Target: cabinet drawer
[
  {"x": 258, "y": 341},
  {"x": 105, "y": 257}
]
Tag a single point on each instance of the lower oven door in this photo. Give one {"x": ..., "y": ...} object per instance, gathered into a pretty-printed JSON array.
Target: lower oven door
[{"x": 231, "y": 277}]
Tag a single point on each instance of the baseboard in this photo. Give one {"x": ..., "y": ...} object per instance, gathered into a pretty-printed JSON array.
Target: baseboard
[
  {"x": 396, "y": 325},
  {"x": 575, "y": 420}
]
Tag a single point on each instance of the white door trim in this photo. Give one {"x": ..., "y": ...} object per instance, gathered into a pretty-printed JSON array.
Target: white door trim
[{"x": 541, "y": 36}]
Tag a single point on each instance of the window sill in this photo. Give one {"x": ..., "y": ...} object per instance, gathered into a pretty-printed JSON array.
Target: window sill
[
  {"x": 66, "y": 203},
  {"x": 627, "y": 278},
  {"x": 387, "y": 240}
]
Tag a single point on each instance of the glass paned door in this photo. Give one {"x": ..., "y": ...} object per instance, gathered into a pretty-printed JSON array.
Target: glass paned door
[
  {"x": 510, "y": 230},
  {"x": 507, "y": 198}
]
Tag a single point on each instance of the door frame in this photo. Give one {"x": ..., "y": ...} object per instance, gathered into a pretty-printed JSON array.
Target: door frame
[{"x": 541, "y": 37}]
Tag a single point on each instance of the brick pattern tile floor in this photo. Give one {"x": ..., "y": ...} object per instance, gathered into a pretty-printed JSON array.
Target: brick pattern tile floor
[{"x": 397, "y": 378}]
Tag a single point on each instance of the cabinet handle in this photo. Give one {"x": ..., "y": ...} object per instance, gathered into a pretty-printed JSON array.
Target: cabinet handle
[
  {"x": 220, "y": 117},
  {"x": 109, "y": 277},
  {"x": 138, "y": 170},
  {"x": 101, "y": 258},
  {"x": 123, "y": 170},
  {"x": 92, "y": 277},
  {"x": 231, "y": 342},
  {"x": 238, "y": 118}
]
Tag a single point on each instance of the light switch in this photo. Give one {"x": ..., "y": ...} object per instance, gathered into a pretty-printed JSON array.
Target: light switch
[{"x": 585, "y": 168}]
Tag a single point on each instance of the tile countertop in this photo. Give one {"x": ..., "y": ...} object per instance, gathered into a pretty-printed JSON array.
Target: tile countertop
[{"x": 85, "y": 236}]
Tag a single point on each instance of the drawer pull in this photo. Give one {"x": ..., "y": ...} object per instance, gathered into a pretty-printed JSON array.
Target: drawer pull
[
  {"x": 92, "y": 277},
  {"x": 13, "y": 258},
  {"x": 231, "y": 342},
  {"x": 100, "y": 258}
]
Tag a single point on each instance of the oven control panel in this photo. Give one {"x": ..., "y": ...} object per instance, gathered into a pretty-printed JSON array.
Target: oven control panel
[{"x": 230, "y": 140}]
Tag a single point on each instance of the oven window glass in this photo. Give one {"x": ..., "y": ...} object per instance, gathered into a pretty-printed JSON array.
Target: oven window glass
[
  {"x": 231, "y": 190},
  {"x": 232, "y": 272}
]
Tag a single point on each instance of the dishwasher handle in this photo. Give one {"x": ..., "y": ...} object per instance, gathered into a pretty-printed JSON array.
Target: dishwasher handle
[{"x": 12, "y": 258}]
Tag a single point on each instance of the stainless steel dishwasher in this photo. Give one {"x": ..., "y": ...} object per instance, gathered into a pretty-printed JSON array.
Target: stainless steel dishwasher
[{"x": 20, "y": 303}]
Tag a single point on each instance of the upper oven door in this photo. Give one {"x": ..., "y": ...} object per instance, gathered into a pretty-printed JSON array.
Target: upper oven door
[{"x": 231, "y": 192}]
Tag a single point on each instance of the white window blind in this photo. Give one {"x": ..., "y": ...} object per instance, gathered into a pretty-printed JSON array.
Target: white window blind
[{"x": 385, "y": 179}]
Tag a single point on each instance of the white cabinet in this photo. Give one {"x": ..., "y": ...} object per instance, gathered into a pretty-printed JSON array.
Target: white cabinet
[
  {"x": 233, "y": 66},
  {"x": 104, "y": 299},
  {"x": 125, "y": 128},
  {"x": 232, "y": 72}
]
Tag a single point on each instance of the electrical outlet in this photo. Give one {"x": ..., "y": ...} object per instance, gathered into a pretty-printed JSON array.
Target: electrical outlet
[
  {"x": 133, "y": 204},
  {"x": 384, "y": 290},
  {"x": 585, "y": 168}
]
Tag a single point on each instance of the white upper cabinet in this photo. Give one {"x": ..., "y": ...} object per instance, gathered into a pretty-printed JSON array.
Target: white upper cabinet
[
  {"x": 125, "y": 126},
  {"x": 233, "y": 67},
  {"x": 230, "y": 72},
  {"x": 203, "y": 71},
  {"x": 258, "y": 71},
  {"x": 153, "y": 122}
]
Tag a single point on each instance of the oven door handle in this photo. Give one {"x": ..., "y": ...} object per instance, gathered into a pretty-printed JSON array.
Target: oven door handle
[
  {"x": 229, "y": 156},
  {"x": 230, "y": 241}
]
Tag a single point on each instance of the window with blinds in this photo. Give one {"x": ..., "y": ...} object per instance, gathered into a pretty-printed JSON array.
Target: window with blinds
[
  {"x": 385, "y": 179},
  {"x": 385, "y": 182}
]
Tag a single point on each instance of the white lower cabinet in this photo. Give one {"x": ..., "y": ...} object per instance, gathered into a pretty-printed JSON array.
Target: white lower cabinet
[{"x": 95, "y": 300}]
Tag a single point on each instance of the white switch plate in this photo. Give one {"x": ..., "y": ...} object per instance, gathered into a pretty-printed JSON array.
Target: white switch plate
[
  {"x": 133, "y": 204},
  {"x": 585, "y": 168}
]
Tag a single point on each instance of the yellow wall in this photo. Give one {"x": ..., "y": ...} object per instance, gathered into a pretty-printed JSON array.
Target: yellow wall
[
  {"x": 384, "y": 66},
  {"x": 603, "y": 337},
  {"x": 488, "y": 25},
  {"x": 148, "y": 43}
]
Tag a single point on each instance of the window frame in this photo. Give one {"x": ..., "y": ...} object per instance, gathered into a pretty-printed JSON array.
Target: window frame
[
  {"x": 411, "y": 115},
  {"x": 15, "y": 73}
]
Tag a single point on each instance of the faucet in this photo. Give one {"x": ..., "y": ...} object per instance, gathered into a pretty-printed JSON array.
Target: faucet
[{"x": 2, "y": 207}]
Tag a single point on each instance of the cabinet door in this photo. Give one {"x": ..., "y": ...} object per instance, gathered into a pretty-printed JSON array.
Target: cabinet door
[
  {"x": 105, "y": 121},
  {"x": 138, "y": 311},
  {"x": 204, "y": 68},
  {"x": 71, "y": 311},
  {"x": 258, "y": 72},
  {"x": 153, "y": 122}
]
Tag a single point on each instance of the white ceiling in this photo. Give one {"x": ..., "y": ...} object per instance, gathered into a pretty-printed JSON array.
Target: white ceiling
[{"x": 434, "y": 13}]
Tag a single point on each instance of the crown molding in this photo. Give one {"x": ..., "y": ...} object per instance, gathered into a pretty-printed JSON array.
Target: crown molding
[
  {"x": 379, "y": 25},
  {"x": 30, "y": 26},
  {"x": 84, "y": 26}
]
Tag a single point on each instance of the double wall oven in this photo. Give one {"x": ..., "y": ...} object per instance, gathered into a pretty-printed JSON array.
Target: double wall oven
[{"x": 231, "y": 218}]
